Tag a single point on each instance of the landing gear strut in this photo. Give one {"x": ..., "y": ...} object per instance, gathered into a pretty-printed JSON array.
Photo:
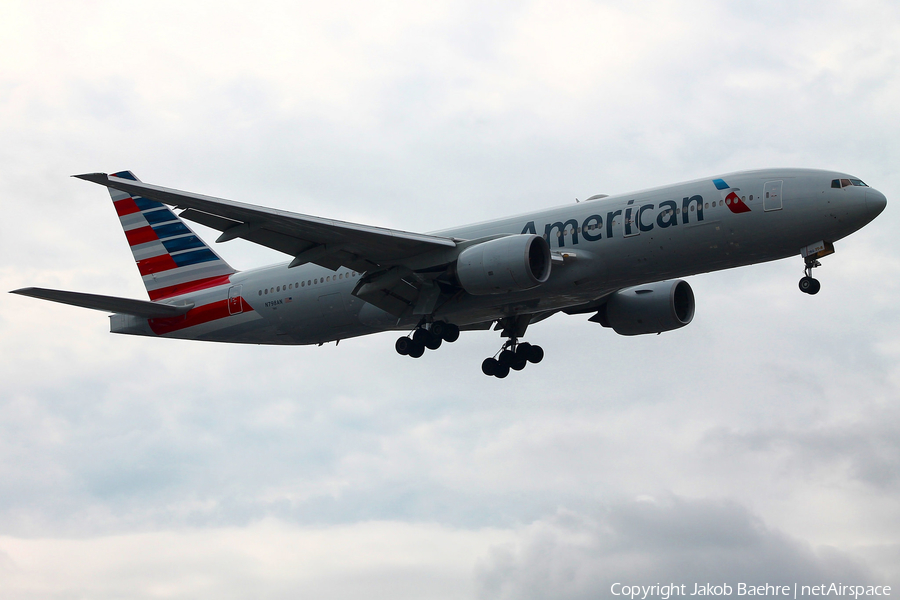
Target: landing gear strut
[
  {"x": 808, "y": 284},
  {"x": 513, "y": 355},
  {"x": 429, "y": 336}
]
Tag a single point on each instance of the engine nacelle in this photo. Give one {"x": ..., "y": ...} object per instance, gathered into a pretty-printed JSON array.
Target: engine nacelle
[
  {"x": 509, "y": 264},
  {"x": 652, "y": 308}
]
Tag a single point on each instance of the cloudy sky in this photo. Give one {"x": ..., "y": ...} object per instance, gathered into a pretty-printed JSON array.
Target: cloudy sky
[{"x": 759, "y": 444}]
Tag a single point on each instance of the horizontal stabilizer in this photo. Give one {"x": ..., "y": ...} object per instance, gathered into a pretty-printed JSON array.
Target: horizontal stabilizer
[{"x": 138, "y": 308}]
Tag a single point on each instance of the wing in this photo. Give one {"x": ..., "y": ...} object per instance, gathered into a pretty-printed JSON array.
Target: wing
[
  {"x": 389, "y": 258},
  {"x": 325, "y": 242}
]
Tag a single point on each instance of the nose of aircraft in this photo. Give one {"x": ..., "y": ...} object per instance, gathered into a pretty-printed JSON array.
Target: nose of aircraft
[{"x": 875, "y": 202}]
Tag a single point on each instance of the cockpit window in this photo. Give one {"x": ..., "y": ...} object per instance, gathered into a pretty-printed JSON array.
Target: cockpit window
[{"x": 842, "y": 183}]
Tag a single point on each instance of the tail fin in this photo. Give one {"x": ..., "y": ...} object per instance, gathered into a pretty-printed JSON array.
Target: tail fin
[{"x": 172, "y": 259}]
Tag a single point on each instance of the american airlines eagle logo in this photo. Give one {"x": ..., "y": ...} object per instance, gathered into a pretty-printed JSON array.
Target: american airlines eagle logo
[{"x": 729, "y": 194}]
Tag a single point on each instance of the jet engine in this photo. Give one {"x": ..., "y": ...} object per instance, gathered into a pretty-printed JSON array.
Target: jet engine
[
  {"x": 508, "y": 264},
  {"x": 652, "y": 308}
]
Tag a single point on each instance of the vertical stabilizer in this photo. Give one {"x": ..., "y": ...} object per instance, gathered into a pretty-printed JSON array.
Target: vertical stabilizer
[{"x": 172, "y": 259}]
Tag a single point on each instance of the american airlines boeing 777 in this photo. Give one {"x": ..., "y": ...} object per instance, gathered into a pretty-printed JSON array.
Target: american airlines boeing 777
[{"x": 618, "y": 257}]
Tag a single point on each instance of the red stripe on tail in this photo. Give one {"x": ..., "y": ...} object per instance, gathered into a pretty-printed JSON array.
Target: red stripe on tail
[
  {"x": 155, "y": 264},
  {"x": 141, "y": 235},
  {"x": 126, "y": 207}
]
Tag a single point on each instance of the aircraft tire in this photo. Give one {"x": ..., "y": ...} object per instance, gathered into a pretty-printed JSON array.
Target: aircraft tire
[
  {"x": 520, "y": 364},
  {"x": 535, "y": 354},
  {"x": 432, "y": 341},
  {"x": 438, "y": 328},
  {"x": 816, "y": 286},
  {"x": 450, "y": 333},
  {"x": 416, "y": 349},
  {"x": 807, "y": 285},
  {"x": 489, "y": 366},
  {"x": 402, "y": 346},
  {"x": 420, "y": 336},
  {"x": 507, "y": 358},
  {"x": 501, "y": 372}
]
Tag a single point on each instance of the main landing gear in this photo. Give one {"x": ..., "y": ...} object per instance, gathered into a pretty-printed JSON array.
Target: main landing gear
[
  {"x": 808, "y": 284},
  {"x": 513, "y": 355},
  {"x": 429, "y": 336}
]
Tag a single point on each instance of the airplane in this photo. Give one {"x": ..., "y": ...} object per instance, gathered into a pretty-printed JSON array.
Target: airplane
[{"x": 620, "y": 257}]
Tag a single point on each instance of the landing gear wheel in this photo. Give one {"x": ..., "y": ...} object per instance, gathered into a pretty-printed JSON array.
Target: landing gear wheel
[
  {"x": 416, "y": 349},
  {"x": 420, "y": 336},
  {"x": 432, "y": 341},
  {"x": 811, "y": 286},
  {"x": 518, "y": 365},
  {"x": 507, "y": 358},
  {"x": 501, "y": 372},
  {"x": 535, "y": 354},
  {"x": 489, "y": 366},
  {"x": 523, "y": 351},
  {"x": 450, "y": 333},
  {"x": 402, "y": 346}
]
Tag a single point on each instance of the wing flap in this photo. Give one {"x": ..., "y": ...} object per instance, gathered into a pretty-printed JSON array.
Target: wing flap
[{"x": 139, "y": 308}]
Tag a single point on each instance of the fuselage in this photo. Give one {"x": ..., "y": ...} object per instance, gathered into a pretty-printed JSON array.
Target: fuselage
[{"x": 600, "y": 246}]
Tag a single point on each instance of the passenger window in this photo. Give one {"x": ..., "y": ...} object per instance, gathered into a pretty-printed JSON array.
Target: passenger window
[
  {"x": 751, "y": 196},
  {"x": 260, "y": 292},
  {"x": 278, "y": 289},
  {"x": 267, "y": 291}
]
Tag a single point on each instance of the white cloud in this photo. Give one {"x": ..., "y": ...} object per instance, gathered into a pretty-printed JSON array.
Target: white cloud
[{"x": 269, "y": 559}]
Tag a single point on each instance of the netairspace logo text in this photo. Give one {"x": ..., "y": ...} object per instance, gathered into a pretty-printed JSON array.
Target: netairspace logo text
[{"x": 670, "y": 590}]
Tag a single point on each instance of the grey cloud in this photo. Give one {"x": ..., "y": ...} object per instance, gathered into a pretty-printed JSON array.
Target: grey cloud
[{"x": 676, "y": 540}]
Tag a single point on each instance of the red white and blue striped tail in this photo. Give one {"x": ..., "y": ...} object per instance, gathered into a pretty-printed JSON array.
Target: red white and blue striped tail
[{"x": 172, "y": 259}]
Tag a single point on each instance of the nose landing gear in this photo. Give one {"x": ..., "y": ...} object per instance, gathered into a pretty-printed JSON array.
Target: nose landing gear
[{"x": 808, "y": 284}]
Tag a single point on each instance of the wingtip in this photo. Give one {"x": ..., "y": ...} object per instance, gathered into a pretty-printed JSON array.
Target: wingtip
[{"x": 93, "y": 177}]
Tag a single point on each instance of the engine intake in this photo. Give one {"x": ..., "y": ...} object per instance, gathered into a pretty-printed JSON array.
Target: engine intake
[
  {"x": 652, "y": 308},
  {"x": 509, "y": 264}
]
